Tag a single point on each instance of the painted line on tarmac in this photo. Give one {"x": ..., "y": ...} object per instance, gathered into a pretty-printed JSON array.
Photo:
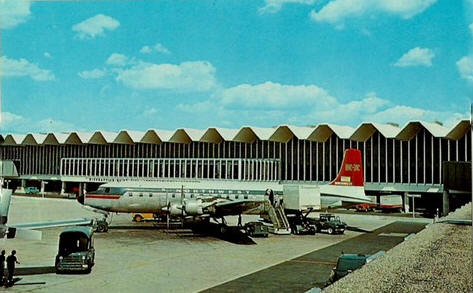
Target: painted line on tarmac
[{"x": 314, "y": 262}]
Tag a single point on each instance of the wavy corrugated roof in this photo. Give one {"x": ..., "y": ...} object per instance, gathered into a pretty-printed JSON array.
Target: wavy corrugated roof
[
  {"x": 366, "y": 130},
  {"x": 14, "y": 139},
  {"x": 34, "y": 139},
  {"x": 412, "y": 128},
  {"x": 246, "y": 134}
]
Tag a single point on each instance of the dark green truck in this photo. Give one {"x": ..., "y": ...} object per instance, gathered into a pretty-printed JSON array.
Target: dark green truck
[
  {"x": 330, "y": 223},
  {"x": 76, "y": 250}
]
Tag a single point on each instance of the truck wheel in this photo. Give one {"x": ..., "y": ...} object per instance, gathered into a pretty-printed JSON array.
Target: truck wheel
[
  {"x": 138, "y": 218},
  {"x": 88, "y": 270},
  {"x": 330, "y": 231}
]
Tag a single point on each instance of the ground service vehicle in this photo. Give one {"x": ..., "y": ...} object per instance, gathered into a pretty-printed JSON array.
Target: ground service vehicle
[
  {"x": 330, "y": 223},
  {"x": 347, "y": 263},
  {"x": 365, "y": 207},
  {"x": 301, "y": 224},
  {"x": 139, "y": 217},
  {"x": 31, "y": 190},
  {"x": 76, "y": 250},
  {"x": 256, "y": 229},
  {"x": 387, "y": 203}
]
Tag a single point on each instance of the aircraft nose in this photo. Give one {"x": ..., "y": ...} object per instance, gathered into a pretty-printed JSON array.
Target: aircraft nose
[{"x": 81, "y": 199}]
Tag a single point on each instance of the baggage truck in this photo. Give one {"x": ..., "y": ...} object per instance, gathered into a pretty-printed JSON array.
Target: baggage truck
[{"x": 300, "y": 197}]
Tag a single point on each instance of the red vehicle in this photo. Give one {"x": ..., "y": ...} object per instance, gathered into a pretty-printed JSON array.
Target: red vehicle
[
  {"x": 388, "y": 203},
  {"x": 365, "y": 207}
]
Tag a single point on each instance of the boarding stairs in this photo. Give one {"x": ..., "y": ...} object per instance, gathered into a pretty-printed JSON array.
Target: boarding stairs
[{"x": 277, "y": 216}]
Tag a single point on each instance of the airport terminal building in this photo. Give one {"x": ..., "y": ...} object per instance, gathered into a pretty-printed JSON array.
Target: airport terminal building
[{"x": 395, "y": 159}]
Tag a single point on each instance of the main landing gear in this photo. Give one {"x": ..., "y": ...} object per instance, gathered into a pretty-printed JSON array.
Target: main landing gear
[
  {"x": 101, "y": 225},
  {"x": 222, "y": 225}
]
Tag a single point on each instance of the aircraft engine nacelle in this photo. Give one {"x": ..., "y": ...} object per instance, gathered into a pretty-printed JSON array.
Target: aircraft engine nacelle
[
  {"x": 193, "y": 207},
  {"x": 175, "y": 210}
]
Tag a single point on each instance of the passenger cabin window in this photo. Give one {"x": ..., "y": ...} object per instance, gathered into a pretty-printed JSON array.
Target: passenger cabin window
[
  {"x": 192, "y": 196},
  {"x": 130, "y": 194},
  {"x": 173, "y": 196},
  {"x": 236, "y": 196},
  {"x": 150, "y": 195},
  {"x": 245, "y": 197},
  {"x": 141, "y": 194}
]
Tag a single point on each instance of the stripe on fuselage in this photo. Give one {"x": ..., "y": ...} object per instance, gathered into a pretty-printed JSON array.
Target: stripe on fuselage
[{"x": 96, "y": 196}]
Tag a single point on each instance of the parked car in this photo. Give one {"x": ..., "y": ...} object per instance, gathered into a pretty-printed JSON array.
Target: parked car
[
  {"x": 31, "y": 190},
  {"x": 330, "y": 223}
]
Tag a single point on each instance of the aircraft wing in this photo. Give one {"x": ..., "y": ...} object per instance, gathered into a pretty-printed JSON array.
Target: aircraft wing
[
  {"x": 236, "y": 207},
  {"x": 51, "y": 224},
  {"x": 25, "y": 230}
]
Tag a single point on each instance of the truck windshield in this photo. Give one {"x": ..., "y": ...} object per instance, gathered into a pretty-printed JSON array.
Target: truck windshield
[{"x": 73, "y": 242}]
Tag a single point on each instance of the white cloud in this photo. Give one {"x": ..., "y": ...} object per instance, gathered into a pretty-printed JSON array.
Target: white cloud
[
  {"x": 187, "y": 76},
  {"x": 416, "y": 57},
  {"x": 465, "y": 68},
  {"x": 14, "y": 123},
  {"x": 146, "y": 50},
  {"x": 273, "y": 6},
  {"x": 47, "y": 55},
  {"x": 275, "y": 95},
  {"x": 271, "y": 103},
  {"x": 92, "y": 74},
  {"x": 161, "y": 49},
  {"x": 119, "y": 60},
  {"x": 401, "y": 114},
  {"x": 338, "y": 10},
  {"x": 157, "y": 48},
  {"x": 22, "y": 67},
  {"x": 14, "y": 12},
  {"x": 95, "y": 26},
  {"x": 150, "y": 112}
]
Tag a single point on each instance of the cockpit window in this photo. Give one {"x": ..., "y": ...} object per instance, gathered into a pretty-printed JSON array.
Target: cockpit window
[{"x": 107, "y": 190}]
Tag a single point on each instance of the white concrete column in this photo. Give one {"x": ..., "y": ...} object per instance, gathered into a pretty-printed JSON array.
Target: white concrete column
[
  {"x": 406, "y": 202},
  {"x": 22, "y": 186}
]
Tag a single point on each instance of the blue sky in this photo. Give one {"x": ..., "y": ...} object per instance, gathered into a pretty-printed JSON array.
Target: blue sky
[{"x": 111, "y": 65}]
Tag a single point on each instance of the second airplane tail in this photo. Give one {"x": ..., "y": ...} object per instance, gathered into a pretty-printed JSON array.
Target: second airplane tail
[{"x": 351, "y": 171}]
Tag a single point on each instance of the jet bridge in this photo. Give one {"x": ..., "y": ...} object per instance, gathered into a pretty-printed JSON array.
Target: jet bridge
[{"x": 118, "y": 169}]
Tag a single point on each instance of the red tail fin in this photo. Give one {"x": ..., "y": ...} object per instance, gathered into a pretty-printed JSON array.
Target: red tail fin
[{"x": 351, "y": 171}]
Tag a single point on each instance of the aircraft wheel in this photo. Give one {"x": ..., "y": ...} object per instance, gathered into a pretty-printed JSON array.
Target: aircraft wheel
[
  {"x": 138, "y": 218},
  {"x": 223, "y": 229},
  {"x": 102, "y": 227},
  {"x": 330, "y": 231}
]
